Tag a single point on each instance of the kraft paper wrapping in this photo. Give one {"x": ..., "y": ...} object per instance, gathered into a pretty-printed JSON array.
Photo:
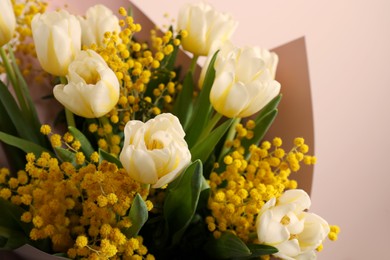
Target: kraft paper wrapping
[{"x": 295, "y": 118}]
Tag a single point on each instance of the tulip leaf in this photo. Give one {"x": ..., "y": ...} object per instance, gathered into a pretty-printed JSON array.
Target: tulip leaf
[
  {"x": 86, "y": 146},
  {"x": 138, "y": 215},
  {"x": 103, "y": 155},
  {"x": 273, "y": 104},
  {"x": 261, "y": 128},
  {"x": 18, "y": 119},
  {"x": 258, "y": 250},
  {"x": 203, "y": 148},
  {"x": 10, "y": 217},
  {"x": 202, "y": 108},
  {"x": 26, "y": 146},
  {"x": 183, "y": 104},
  {"x": 65, "y": 155},
  {"x": 182, "y": 199},
  {"x": 11, "y": 239},
  {"x": 22, "y": 87},
  {"x": 15, "y": 156},
  {"x": 229, "y": 246}
]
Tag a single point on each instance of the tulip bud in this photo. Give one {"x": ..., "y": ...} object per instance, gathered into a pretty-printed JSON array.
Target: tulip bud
[
  {"x": 92, "y": 89},
  {"x": 244, "y": 81},
  {"x": 206, "y": 28},
  {"x": 7, "y": 22},
  {"x": 57, "y": 38},
  {"x": 155, "y": 152},
  {"x": 98, "y": 20}
]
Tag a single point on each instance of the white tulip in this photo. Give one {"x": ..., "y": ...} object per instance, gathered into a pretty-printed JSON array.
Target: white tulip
[
  {"x": 98, "y": 20},
  {"x": 206, "y": 28},
  {"x": 57, "y": 38},
  {"x": 285, "y": 225},
  {"x": 92, "y": 89},
  {"x": 155, "y": 152},
  {"x": 7, "y": 22},
  {"x": 244, "y": 81}
]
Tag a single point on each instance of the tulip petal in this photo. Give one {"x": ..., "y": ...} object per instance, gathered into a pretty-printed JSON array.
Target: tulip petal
[
  {"x": 70, "y": 98},
  {"x": 298, "y": 197},
  {"x": 141, "y": 166},
  {"x": 288, "y": 249},
  {"x": 236, "y": 100},
  {"x": 270, "y": 231},
  {"x": 315, "y": 231}
]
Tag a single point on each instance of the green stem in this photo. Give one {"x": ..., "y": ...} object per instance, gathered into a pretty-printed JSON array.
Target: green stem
[
  {"x": 68, "y": 114},
  {"x": 229, "y": 137},
  {"x": 210, "y": 126},
  {"x": 193, "y": 64}
]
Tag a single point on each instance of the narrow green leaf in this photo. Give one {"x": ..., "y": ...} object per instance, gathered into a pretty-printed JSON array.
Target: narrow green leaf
[
  {"x": 258, "y": 250},
  {"x": 205, "y": 147},
  {"x": 86, "y": 146},
  {"x": 19, "y": 120},
  {"x": 182, "y": 199},
  {"x": 227, "y": 246},
  {"x": 12, "y": 239},
  {"x": 138, "y": 215},
  {"x": 103, "y": 155},
  {"x": 10, "y": 217},
  {"x": 15, "y": 157},
  {"x": 183, "y": 104},
  {"x": 202, "y": 108},
  {"x": 26, "y": 146},
  {"x": 261, "y": 128},
  {"x": 272, "y": 105},
  {"x": 65, "y": 155},
  {"x": 22, "y": 86}
]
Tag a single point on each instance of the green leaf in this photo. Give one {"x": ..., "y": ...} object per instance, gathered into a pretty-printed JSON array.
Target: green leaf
[
  {"x": 26, "y": 146},
  {"x": 227, "y": 246},
  {"x": 11, "y": 238},
  {"x": 205, "y": 147},
  {"x": 272, "y": 105},
  {"x": 19, "y": 120},
  {"x": 138, "y": 215},
  {"x": 261, "y": 128},
  {"x": 183, "y": 104},
  {"x": 103, "y": 155},
  {"x": 10, "y": 217},
  {"x": 202, "y": 108},
  {"x": 182, "y": 199},
  {"x": 15, "y": 156},
  {"x": 65, "y": 155},
  {"x": 258, "y": 250},
  {"x": 86, "y": 146}
]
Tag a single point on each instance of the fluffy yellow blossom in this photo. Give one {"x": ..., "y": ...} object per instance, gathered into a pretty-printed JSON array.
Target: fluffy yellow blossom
[{"x": 242, "y": 188}]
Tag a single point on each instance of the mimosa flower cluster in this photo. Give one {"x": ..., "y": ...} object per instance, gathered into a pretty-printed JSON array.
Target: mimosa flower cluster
[{"x": 146, "y": 160}]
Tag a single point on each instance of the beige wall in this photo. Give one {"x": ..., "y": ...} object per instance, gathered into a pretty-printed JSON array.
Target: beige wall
[{"x": 348, "y": 46}]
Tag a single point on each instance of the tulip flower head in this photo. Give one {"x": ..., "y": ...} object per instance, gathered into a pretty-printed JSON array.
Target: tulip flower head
[
  {"x": 155, "y": 152},
  {"x": 206, "y": 28},
  {"x": 57, "y": 38},
  {"x": 92, "y": 89},
  {"x": 244, "y": 81},
  {"x": 98, "y": 20},
  {"x": 285, "y": 225},
  {"x": 7, "y": 21}
]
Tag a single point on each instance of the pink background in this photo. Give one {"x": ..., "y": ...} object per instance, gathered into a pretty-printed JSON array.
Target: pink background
[{"x": 348, "y": 44}]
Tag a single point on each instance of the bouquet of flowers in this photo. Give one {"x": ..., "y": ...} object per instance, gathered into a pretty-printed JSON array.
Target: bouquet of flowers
[{"x": 145, "y": 158}]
